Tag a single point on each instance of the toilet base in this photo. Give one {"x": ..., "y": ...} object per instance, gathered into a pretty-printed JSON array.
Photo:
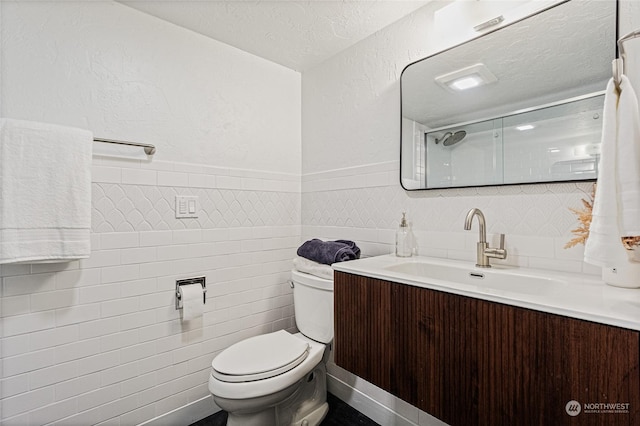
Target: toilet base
[
  {"x": 263, "y": 418},
  {"x": 315, "y": 417},
  {"x": 309, "y": 403},
  {"x": 303, "y": 404},
  {"x": 255, "y": 411},
  {"x": 268, "y": 417}
]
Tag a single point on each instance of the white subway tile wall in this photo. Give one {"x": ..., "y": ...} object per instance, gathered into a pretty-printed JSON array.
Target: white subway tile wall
[
  {"x": 99, "y": 340},
  {"x": 366, "y": 204}
]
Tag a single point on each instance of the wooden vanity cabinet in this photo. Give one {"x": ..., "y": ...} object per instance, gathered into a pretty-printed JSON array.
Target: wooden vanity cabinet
[{"x": 468, "y": 361}]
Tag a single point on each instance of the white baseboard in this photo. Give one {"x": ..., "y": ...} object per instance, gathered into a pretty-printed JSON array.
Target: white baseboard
[
  {"x": 365, "y": 404},
  {"x": 205, "y": 407},
  {"x": 187, "y": 414}
]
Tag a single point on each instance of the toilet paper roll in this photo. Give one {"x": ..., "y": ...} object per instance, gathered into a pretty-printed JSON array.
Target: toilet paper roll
[{"x": 192, "y": 301}]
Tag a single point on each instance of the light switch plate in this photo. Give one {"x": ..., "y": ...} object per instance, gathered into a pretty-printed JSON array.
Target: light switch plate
[{"x": 187, "y": 206}]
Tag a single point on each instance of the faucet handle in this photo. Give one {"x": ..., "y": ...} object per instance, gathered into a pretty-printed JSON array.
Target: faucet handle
[{"x": 497, "y": 253}]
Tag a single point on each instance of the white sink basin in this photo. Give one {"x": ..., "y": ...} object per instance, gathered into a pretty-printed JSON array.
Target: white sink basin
[{"x": 486, "y": 279}]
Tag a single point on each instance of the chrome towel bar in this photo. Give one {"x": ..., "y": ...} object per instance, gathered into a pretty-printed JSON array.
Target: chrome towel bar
[{"x": 148, "y": 149}]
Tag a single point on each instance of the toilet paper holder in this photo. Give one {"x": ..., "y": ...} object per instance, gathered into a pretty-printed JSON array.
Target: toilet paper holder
[{"x": 188, "y": 281}]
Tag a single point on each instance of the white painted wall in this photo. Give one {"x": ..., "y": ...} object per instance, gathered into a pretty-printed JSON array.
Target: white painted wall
[
  {"x": 126, "y": 75},
  {"x": 99, "y": 341},
  {"x": 350, "y": 168}
]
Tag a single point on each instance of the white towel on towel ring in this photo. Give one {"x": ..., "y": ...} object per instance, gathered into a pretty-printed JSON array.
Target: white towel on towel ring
[{"x": 616, "y": 207}]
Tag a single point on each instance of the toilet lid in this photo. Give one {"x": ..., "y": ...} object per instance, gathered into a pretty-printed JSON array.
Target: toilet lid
[{"x": 259, "y": 357}]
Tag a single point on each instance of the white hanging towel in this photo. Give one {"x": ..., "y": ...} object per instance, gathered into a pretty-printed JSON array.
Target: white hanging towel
[
  {"x": 45, "y": 192},
  {"x": 616, "y": 207}
]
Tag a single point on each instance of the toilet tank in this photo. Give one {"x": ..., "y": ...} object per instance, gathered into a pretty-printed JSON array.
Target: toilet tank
[{"x": 313, "y": 305}]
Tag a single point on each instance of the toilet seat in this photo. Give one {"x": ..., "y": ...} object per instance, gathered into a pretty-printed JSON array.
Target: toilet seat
[{"x": 278, "y": 352}]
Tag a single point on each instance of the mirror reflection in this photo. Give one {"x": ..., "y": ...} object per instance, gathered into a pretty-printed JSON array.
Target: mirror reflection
[{"x": 522, "y": 104}]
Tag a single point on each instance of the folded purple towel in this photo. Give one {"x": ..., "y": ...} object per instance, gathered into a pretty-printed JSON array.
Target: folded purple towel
[{"x": 328, "y": 252}]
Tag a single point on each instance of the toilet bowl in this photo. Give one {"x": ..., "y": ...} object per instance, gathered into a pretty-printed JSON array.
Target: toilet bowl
[{"x": 279, "y": 378}]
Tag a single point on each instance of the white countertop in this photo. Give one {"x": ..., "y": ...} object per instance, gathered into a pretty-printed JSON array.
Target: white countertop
[{"x": 569, "y": 294}]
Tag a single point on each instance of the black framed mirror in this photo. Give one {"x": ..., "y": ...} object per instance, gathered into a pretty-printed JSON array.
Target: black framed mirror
[{"x": 533, "y": 111}]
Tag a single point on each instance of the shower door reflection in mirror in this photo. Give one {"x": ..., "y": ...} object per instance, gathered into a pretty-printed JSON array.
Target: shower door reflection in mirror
[
  {"x": 556, "y": 143},
  {"x": 534, "y": 117}
]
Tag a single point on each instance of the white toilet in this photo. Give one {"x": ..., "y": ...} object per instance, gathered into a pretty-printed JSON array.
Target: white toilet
[{"x": 280, "y": 378}]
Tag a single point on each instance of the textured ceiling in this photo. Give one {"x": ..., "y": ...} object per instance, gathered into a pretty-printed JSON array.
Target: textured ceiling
[{"x": 296, "y": 34}]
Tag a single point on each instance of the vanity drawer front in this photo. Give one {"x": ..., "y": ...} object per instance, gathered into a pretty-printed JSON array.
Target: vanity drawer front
[{"x": 474, "y": 362}]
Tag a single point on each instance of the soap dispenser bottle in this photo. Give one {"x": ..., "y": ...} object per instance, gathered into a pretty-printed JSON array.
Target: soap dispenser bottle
[{"x": 403, "y": 239}]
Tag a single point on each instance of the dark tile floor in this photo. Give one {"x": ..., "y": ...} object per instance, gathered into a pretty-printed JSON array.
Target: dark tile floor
[{"x": 340, "y": 414}]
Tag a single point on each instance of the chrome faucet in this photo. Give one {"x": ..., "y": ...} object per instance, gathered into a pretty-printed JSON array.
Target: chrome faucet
[{"x": 484, "y": 252}]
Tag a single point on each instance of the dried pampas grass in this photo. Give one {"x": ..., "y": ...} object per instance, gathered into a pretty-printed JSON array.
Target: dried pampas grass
[{"x": 584, "y": 220}]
